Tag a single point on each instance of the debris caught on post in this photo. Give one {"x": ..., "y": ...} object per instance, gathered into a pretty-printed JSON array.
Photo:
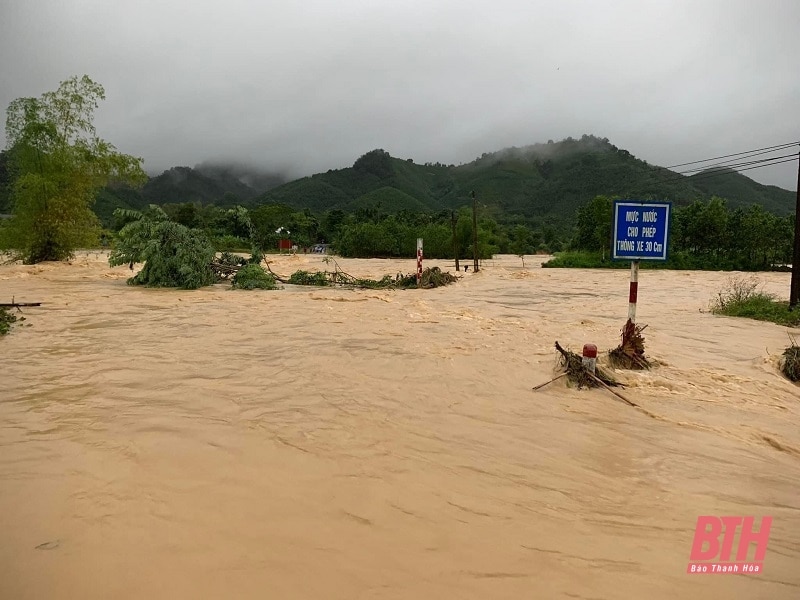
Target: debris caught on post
[
  {"x": 630, "y": 353},
  {"x": 577, "y": 373}
]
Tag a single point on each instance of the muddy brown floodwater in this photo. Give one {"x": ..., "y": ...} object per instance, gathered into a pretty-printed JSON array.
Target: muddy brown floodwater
[{"x": 327, "y": 443}]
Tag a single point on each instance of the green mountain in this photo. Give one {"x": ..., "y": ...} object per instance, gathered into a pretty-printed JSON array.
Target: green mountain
[{"x": 542, "y": 181}]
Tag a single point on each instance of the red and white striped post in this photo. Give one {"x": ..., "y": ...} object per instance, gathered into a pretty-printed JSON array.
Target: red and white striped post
[
  {"x": 589, "y": 358},
  {"x": 634, "y": 291},
  {"x": 419, "y": 260}
]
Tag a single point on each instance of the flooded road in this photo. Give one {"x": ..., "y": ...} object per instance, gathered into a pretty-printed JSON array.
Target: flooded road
[{"x": 327, "y": 443}]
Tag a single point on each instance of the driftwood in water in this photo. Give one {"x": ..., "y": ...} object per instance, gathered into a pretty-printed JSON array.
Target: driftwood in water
[
  {"x": 616, "y": 393},
  {"x": 18, "y": 304},
  {"x": 431, "y": 277},
  {"x": 223, "y": 271},
  {"x": 556, "y": 378}
]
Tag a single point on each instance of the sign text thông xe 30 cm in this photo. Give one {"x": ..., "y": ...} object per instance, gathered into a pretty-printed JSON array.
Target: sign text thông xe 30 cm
[{"x": 641, "y": 230}]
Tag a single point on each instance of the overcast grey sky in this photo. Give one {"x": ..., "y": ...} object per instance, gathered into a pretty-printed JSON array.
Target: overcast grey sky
[{"x": 311, "y": 85}]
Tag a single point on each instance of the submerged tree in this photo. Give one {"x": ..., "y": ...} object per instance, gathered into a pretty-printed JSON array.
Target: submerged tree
[
  {"x": 60, "y": 164},
  {"x": 173, "y": 255}
]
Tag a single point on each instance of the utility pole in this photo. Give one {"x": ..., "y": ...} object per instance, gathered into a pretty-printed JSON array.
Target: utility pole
[
  {"x": 455, "y": 241},
  {"x": 474, "y": 232},
  {"x": 794, "y": 293}
]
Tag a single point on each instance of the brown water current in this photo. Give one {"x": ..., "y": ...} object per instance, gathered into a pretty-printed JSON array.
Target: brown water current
[{"x": 331, "y": 443}]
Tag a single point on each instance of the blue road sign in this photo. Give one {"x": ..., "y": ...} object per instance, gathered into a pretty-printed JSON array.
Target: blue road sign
[{"x": 641, "y": 230}]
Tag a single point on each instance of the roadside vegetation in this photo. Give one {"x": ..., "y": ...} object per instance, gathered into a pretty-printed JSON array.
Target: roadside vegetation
[
  {"x": 744, "y": 297},
  {"x": 703, "y": 236}
]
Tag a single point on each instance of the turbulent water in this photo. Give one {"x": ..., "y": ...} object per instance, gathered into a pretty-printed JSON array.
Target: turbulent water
[{"x": 328, "y": 443}]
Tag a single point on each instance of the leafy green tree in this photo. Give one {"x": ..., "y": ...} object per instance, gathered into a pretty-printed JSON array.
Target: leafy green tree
[
  {"x": 60, "y": 165},
  {"x": 173, "y": 255},
  {"x": 523, "y": 242},
  {"x": 266, "y": 219},
  {"x": 6, "y": 181},
  {"x": 594, "y": 225}
]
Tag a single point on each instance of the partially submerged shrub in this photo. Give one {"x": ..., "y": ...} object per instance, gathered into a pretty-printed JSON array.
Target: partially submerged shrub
[
  {"x": 742, "y": 297},
  {"x": 790, "y": 362},
  {"x": 308, "y": 278},
  {"x": 738, "y": 291},
  {"x": 173, "y": 255},
  {"x": 7, "y": 319},
  {"x": 253, "y": 276}
]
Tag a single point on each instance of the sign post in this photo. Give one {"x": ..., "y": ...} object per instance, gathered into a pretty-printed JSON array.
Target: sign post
[
  {"x": 641, "y": 232},
  {"x": 633, "y": 291},
  {"x": 419, "y": 260}
]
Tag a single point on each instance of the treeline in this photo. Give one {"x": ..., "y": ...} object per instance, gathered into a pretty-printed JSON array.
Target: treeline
[
  {"x": 363, "y": 233},
  {"x": 703, "y": 235}
]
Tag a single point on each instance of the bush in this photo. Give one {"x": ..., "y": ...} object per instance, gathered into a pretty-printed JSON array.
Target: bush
[
  {"x": 7, "y": 318},
  {"x": 580, "y": 260},
  {"x": 742, "y": 297},
  {"x": 738, "y": 291},
  {"x": 307, "y": 278},
  {"x": 253, "y": 276}
]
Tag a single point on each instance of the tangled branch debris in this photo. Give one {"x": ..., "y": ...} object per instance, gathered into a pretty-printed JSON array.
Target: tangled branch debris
[
  {"x": 580, "y": 375},
  {"x": 229, "y": 264},
  {"x": 790, "y": 362},
  {"x": 431, "y": 277},
  {"x": 630, "y": 353}
]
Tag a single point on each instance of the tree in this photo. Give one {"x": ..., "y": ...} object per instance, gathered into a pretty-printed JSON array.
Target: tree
[
  {"x": 173, "y": 255},
  {"x": 522, "y": 243},
  {"x": 594, "y": 225},
  {"x": 60, "y": 165}
]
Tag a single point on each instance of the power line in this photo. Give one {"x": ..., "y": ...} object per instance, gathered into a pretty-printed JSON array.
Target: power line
[
  {"x": 778, "y": 147},
  {"x": 702, "y": 176},
  {"x": 731, "y": 160},
  {"x": 723, "y": 167}
]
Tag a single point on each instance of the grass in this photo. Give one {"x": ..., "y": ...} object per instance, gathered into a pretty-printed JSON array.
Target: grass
[{"x": 743, "y": 297}]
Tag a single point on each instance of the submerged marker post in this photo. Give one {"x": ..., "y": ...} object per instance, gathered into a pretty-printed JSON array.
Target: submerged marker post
[{"x": 419, "y": 261}]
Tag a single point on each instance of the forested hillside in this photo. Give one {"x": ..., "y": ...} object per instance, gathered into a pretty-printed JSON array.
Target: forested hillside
[
  {"x": 543, "y": 181},
  {"x": 539, "y": 184}
]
